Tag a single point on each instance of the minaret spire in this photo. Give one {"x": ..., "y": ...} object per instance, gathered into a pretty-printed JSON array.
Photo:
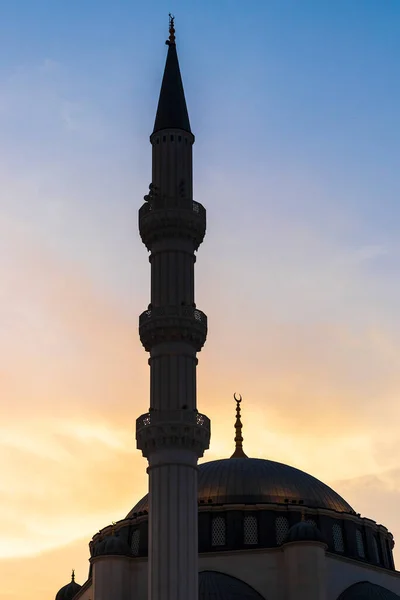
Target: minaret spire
[
  {"x": 173, "y": 434},
  {"x": 239, "y": 453},
  {"x": 172, "y": 111},
  {"x": 171, "y": 39}
]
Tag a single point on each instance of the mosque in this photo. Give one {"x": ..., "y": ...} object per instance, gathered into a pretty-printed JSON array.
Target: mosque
[{"x": 239, "y": 528}]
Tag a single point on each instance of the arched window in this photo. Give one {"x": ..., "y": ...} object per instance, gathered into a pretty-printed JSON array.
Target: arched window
[
  {"x": 281, "y": 529},
  {"x": 360, "y": 544},
  {"x": 337, "y": 535},
  {"x": 135, "y": 542},
  {"x": 376, "y": 549},
  {"x": 250, "y": 530},
  {"x": 218, "y": 531}
]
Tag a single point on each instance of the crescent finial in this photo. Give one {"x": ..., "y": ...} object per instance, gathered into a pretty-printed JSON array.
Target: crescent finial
[{"x": 239, "y": 453}]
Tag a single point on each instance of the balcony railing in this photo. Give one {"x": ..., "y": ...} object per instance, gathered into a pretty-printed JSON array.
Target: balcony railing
[
  {"x": 188, "y": 417},
  {"x": 173, "y": 311},
  {"x": 165, "y": 203}
]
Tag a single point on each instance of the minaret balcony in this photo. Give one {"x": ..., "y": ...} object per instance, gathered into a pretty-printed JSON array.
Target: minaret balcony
[
  {"x": 173, "y": 323},
  {"x": 187, "y": 429},
  {"x": 171, "y": 218}
]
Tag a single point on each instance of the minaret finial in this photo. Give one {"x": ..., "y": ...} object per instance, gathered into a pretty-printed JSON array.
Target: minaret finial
[
  {"x": 73, "y": 575},
  {"x": 171, "y": 39},
  {"x": 238, "y": 431}
]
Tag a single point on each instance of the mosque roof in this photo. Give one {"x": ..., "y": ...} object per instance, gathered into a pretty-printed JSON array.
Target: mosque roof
[
  {"x": 219, "y": 586},
  {"x": 259, "y": 481},
  {"x": 365, "y": 590},
  {"x": 172, "y": 111}
]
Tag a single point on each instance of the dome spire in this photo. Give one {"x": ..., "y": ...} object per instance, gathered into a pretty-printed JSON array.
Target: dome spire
[
  {"x": 73, "y": 575},
  {"x": 239, "y": 453}
]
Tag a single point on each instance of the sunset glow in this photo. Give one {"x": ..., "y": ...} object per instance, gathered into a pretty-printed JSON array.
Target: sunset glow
[{"x": 295, "y": 111}]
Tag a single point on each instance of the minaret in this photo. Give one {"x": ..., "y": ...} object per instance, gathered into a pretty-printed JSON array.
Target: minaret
[{"x": 173, "y": 434}]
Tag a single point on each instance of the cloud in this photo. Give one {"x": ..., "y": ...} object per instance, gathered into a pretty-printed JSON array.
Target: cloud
[
  {"x": 45, "y": 573},
  {"x": 44, "y": 100},
  {"x": 72, "y": 478},
  {"x": 375, "y": 496},
  {"x": 69, "y": 384}
]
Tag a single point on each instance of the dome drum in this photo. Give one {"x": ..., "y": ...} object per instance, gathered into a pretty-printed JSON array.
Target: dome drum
[{"x": 227, "y": 528}]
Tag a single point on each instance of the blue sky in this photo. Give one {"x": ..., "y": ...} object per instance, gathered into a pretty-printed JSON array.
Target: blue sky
[{"x": 294, "y": 105}]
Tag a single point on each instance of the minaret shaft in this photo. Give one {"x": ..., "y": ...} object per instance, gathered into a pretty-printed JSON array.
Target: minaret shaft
[
  {"x": 173, "y": 509},
  {"x": 172, "y": 163},
  {"x": 172, "y": 435},
  {"x": 173, "y": 377},
  {"x": 172, "y": 275}
]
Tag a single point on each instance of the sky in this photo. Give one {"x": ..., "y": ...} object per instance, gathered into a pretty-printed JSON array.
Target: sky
[{"x": 295, "y": 110}]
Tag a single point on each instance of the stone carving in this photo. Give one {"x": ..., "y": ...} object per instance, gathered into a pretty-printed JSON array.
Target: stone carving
[
  {"x": 160, "y": 220},
  {"x": 173, "y": 429}
]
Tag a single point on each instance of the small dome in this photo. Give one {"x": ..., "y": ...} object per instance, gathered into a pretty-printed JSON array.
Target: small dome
[
  {"x": 115, "y": 545},
  {"x": 98, "y": 548},
  {"x": 70, "y": 590},
  {"x": 364, "y": 590},
  {"x": 219, "y": 586},
  {"x": 304, "y": 532}
]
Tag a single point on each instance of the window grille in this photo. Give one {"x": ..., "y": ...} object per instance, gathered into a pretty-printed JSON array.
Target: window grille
[
  {"x": 376, "y": 550},
  {"x": 218, "y": 531},
  {"x": 311, "y": 522},
  {"x": 135, "y": 542},
  {"x": 337, "y": 534},
  {"x": 360, "y": 544},
  {"x": 281, "y": 529},
  {"x": 250, "y": 530}
]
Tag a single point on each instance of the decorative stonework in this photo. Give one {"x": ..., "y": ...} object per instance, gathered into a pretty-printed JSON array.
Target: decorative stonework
[
  {"x": 171, "y": 218},
  {"x": 173, "y": 323},
  {"x": 218, "y": 531},
  {"x": 250, "y": 530},
  {"x": 173, "y": 429}
]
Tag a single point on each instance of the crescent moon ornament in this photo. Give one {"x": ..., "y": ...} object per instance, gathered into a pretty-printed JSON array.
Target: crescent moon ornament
[{"x": 238, "y": 400}]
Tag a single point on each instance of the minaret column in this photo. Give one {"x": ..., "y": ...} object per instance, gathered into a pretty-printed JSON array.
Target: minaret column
[{"x": 172, "y": 434}]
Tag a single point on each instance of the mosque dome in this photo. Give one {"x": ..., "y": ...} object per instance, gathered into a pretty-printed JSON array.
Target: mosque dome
[
  {"x": 115, "y": 545},
  {"x": 98, "y": 548},
  {"x": 70, "y": 590},
  {"x": 219, "y": 586},
  {"x": 259, "y": 481},
  {"x": 243, "y": 480},
  {"x": 304, "y": 532}
]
